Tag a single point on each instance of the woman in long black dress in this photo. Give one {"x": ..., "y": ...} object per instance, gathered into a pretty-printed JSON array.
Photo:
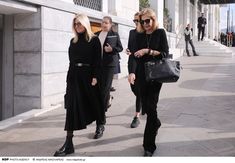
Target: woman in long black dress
[
  {"x": 151, "y": 44},
  {"x": 83, "y": 101}
]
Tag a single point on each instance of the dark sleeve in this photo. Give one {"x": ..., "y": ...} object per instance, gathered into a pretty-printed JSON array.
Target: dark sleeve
[
  {"x": 132, "y": 64},
  {"x": 96, "y": 60},
  {"x": 129, "y": 41},
  {"x": 164, "y": 48},
  {"x": 131, "y": 59},
  {"x": 118, "y": 48}
]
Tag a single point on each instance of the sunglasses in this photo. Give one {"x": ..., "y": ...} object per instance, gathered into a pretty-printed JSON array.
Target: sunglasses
[
  {"x": 77, "y": 24},
  {"x": 146, "y": 21},
  {"x": 135, "y": 20}
]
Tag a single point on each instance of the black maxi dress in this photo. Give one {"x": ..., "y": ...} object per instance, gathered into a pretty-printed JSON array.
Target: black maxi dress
[{"x": 82, "y": 100}]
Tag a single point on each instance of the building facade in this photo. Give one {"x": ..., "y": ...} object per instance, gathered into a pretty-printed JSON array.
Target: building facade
[
  {"x": 183, "y": 12},
  {"x": 34, "y": 40},
  {"x": 35, "y": 35}
]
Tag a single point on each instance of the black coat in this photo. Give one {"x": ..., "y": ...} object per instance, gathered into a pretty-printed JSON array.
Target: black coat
[
  {"x": 112, "y": 58},
  {"x": 132, "y": 47},
  {"x": 158, "y": 41},
  {"x": 83, "y": 101}
]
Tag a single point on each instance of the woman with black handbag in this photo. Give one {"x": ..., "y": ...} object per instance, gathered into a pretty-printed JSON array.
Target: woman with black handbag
[{"x": 151, "y": 45}]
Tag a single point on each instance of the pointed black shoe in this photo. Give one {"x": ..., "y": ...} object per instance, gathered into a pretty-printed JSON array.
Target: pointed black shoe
[
  {"x": 148, "y": 154},
  {"x": 66, "y": 149},
  {"x": 135, "y": 122},
  {"x": 99, "y": 131}
]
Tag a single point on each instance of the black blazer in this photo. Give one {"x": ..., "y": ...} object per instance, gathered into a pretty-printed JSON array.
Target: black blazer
[
  {"x": 112, "y": 58},
  {"x": 201, "y": 22},
  {"x": 132, "y": 47},
  {"x": 157, "y": 42}
]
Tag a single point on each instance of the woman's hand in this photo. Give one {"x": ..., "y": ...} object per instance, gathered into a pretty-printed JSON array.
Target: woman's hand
[
  {"x": 128, "y": 52},
  {"x": 141, "y": 53},
  {"x": 131, "y": 78},
  {"x": 108, "y": 48},
  {"x": 94, "y": 81}
]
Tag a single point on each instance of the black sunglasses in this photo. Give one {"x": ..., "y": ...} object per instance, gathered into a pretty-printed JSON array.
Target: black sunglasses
[
  {"x": 135, "y": 20},
  {"x": 146, "y": 21},
  {"x": 77, "y": 24}
]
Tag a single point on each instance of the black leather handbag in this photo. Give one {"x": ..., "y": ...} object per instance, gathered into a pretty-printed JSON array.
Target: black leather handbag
[{"x": 163, "y": 71}]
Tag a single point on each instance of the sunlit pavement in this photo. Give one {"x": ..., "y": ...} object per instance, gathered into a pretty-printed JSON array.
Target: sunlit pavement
[{"x": 197, "y": 115}]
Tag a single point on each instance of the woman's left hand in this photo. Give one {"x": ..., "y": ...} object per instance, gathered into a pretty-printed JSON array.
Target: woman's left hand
[
  {"x": 108, "y": 48},
  {"x": 94, "y": 82},
  {"x": 141, "y": 53}
]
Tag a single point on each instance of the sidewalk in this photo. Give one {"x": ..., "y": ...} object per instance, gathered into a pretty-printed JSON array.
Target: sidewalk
[{"x": 197, "y": 115}]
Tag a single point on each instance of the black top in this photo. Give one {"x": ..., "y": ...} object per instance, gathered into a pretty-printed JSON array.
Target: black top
[
  {"x": 111, "y": 58},
  {"x": 157, "y": 40},
  {"x": 201, "y": 22},
  {"x": 132, "y": 47},
  {"x": 86, "y": 52}
]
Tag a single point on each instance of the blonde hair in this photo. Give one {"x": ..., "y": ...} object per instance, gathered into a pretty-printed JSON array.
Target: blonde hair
[
  {"x": 137, "y": 14},
  {"x": 150, "y": 13},
  {"x": 83, "y": 19}
]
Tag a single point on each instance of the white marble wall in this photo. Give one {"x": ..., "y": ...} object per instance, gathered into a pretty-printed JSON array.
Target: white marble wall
[
  {"x": 123, "y": 8},
  {"x": 56, "y": 34}
]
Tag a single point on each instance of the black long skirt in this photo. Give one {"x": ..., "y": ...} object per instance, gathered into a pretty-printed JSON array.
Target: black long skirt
[{"x": 82, "y": 100}]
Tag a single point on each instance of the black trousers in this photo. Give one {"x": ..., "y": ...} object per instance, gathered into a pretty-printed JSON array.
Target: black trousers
[
  {"x": 135, "y": 89},
  {"x": 149, "y": 98},
  {"x": 191, "y": 43},
  {"x": 201, "y": 31},
  {"x": 105, "y": 85}
]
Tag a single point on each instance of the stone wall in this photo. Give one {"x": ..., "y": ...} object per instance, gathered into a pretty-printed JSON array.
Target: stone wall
[{"x": 27, "y": 62}]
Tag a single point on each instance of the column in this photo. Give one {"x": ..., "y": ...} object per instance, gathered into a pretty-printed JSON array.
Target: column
[
  {"x": 207, "y": 13},
  {"x": 173, "y": 7},
  {"x": 194, "y": 25},
  {"x": 105, "y": 6},
  {"x": 114, "y": 7},
  {"x": 187, "y": 12},
  {"x": 158, "y": 6}
]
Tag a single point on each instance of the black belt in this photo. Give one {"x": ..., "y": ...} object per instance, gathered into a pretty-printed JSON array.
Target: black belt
[{"x": 82, "y": 64}]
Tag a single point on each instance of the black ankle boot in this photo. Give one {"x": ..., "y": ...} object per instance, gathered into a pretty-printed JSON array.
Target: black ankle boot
[
  {"x": 67, "y": 148},
  {"x": 99, "y": 131}
]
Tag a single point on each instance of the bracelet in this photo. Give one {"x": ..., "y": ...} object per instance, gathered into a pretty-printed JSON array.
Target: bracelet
[{"x": 149, "y": 52}]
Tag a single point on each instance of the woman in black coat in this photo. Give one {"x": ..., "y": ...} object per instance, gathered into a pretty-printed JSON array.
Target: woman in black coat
[
  {"x": 83, "y": 101},
  {"x": 111, "y": 46},
  {"x": 151, "y": 45}
]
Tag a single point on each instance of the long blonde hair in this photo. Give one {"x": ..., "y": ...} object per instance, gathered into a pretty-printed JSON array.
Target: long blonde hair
[
  {"x": 150, "y": 13},
  {"x": 83, "y": 19}
]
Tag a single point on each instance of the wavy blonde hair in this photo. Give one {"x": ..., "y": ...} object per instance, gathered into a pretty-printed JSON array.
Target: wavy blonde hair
[
  {"x": 150, "y": 13},
  {"x": 84, "y": 20}
]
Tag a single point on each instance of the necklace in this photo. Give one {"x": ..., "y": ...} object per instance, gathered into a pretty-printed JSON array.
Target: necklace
[{"x": 148, "y": 39}]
